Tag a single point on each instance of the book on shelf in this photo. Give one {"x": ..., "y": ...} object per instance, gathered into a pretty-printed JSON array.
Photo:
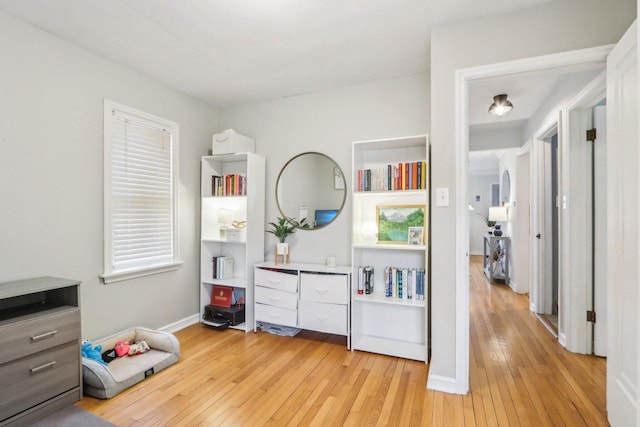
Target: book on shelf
[
  {"x": 365, "y": 279},
  {"x": 229, "y": 185},
  {"x": 400, "y": 283},
  {"x": 392, "y": 177},
  {"x": 222, "y": 267}
]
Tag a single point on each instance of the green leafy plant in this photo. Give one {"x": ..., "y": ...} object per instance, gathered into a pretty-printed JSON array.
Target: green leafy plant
[{"x": 285, "y": 227}]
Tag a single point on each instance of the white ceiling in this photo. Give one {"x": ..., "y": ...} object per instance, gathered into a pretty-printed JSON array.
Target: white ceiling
[{"x": 234, "y": 52}]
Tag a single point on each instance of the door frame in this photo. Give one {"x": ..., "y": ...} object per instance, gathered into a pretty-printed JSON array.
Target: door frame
[
  {"x": 577, "y": 247},
  {"x": 462, "y": 79}
]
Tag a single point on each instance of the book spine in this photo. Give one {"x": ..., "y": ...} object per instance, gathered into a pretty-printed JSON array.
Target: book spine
[{"x": 360, "y": 280}]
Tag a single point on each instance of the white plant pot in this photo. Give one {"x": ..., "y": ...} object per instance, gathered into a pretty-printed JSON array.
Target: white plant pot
[{"x": 282, "y": 248}]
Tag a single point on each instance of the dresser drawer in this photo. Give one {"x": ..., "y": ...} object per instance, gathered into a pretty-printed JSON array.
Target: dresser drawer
[
  {"x": 29, "y": 381},
  {"x": 277, "y": 315},
  {"x": 276, "y": 280},
  {"x": 276, "y": 297},
  {"x": 22, "y": 338},
  {"x": 330, "y": 288},
  {"x": 330, "y": 318}
]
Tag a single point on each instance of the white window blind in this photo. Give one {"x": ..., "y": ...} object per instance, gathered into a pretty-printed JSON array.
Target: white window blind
[{"x": 141, "y": 214}]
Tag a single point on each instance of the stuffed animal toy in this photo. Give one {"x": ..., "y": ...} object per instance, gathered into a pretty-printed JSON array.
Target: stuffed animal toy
[
  {"x": 92, "y": 353},
  {"x": 138, "y": 348},
  {"x": 122, "y": 348}
]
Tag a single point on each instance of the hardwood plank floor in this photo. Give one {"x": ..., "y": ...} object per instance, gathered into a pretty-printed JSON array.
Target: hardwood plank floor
[{"x": 519, "y": 376}]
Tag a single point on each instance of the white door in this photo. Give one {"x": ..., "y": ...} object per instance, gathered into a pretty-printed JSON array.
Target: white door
[
  {"x": 622, "y": 231},
  {"x": 600, "y": 231}
]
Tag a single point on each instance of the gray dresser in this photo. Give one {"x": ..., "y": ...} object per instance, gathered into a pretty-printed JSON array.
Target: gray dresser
[{"x": 40, "y": 363}]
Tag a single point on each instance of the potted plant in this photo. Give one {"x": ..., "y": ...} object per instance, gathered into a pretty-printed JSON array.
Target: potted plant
[{"x": 282, "y": 229}]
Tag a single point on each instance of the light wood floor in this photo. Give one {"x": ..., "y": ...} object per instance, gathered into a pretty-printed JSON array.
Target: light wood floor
[{"x": 520, "y": 376}]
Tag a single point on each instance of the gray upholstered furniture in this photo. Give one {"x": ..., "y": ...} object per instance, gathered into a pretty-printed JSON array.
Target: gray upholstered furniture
[{"x": 105, "y": 382}]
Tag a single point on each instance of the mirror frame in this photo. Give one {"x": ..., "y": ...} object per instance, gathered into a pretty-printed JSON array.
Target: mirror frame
[
  {"x": 336, "y": 167},
  {"x": 506, "y": 184}
]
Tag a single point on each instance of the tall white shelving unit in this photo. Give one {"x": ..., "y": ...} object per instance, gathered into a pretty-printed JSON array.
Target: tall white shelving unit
[
  {"x": 246, "y": 246},
  {"x": 381, "y": 324}
]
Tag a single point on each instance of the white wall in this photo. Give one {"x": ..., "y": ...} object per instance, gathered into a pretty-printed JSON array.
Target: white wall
[
  {"x": 328, "y": 122},
  {"x": 491, "y": 139},
  {"x": 51, "y": 175},
  {"x": 479, "y": 185},
  {"x": 550, "y": 28}
]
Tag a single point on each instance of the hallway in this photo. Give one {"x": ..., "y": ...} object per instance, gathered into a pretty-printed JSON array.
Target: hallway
[{"x": 520, "y": 374}]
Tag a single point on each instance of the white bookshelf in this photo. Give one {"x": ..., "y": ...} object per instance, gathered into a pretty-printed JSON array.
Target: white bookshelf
[
  {"x": 381, "y": 324},
  {"x": 247, "y": 247}
]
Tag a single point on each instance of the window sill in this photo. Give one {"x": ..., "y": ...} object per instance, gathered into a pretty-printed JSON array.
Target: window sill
[{"x": 134, "y": 273}]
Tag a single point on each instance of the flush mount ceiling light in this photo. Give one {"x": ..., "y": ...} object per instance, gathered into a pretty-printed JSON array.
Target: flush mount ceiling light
[{"x": 501, "y": 105}]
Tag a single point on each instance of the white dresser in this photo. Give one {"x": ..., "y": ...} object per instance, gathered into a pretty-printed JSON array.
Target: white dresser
[{"x": 306, "y": 296}]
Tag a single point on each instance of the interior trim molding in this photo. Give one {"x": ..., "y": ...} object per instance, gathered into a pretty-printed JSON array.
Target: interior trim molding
[
  {"x": 444, "y": 384},
  {"x": 461, "y": 190},
  {"x": 181, "y": 324}
]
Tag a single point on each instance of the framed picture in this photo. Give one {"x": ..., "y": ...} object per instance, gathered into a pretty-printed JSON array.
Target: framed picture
[
  {"x": 416, "y": 236},
  {"x": 394, "y": 222}
]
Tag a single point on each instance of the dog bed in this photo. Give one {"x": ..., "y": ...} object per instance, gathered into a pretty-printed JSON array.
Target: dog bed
[{"x": 105, "y": 382}]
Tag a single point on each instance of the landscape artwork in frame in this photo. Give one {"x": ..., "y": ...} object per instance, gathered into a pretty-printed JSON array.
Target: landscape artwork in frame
[{"x": 394, "y": 222}]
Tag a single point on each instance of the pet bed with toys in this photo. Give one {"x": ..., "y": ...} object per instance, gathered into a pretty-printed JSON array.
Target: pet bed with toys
[{"x": 117, "y": 362}]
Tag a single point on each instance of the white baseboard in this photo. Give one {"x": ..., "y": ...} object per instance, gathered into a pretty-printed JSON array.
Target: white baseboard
[
  {"x": 532, "y": 307},
  {"x": 181, "y": 324},
  {"x": 444, "y": 384},
  {"x": 562, "y": 339}
]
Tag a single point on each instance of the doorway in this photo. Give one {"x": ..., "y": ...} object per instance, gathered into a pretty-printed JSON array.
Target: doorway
[
  {"x": 593, "y": 57},
  {"x": 548, "y": 235}
]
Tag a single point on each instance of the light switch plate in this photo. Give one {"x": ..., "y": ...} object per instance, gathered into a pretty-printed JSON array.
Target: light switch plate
[{"x": 442, "y": 196}]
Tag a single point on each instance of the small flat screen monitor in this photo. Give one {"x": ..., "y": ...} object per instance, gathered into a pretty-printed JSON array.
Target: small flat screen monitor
[{"x": 324, "y": 216}]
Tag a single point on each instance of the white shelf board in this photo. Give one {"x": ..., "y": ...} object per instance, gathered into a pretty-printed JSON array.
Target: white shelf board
[
  {"x": 397, "y": 247},
  {"x": 234, "y": 282},
  {"x": 396, "y": 348},
  {"x": 381, "y": 299},
  {"x": 206, "y": 240},
  {"x": 388, "y": 193},
  {"x": 242, "y": 326}
]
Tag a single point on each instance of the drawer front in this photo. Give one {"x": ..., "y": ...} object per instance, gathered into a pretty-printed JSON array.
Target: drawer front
[
  {"x": 21, "y": 339},
  {"x": 276, "y": 280},
  {"x": 330, "y": 288},
  {"x": 31, "y": 380},
  {"x": 277, "y": 315},
  {"x": 330, "y": 318},
  {"x": 275, "y": 297}
]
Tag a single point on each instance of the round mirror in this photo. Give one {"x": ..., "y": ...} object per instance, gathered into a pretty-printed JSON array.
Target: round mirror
[
  {"x": 312, "y": 186},
  {"x": 506, "y": 187}
]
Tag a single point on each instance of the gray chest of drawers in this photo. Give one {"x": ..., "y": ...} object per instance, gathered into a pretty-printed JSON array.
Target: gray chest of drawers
[{"x": 40, "y": 364}]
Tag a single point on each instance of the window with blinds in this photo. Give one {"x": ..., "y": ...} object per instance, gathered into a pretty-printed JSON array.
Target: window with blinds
[{"x": 140, "y": 199}]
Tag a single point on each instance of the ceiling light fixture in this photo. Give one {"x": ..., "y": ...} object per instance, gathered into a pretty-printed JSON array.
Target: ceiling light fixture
[{"x": 501, "y": 105}]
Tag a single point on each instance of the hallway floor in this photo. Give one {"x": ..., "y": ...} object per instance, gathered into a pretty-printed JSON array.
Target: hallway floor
[{"x": 520, "y": 374}]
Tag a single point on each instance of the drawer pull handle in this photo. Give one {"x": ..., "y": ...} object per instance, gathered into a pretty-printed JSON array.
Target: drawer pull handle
[
  {"x": 42, "y": 367},
  {"x": 274, "y": 315},
  {"x": 322, "y": 291},
  {"x": 274, "y": 282},
  {"x": 322, "y": 318},
  {"x": 274, "y": 299},
  {"x": 43, "y": 336}
]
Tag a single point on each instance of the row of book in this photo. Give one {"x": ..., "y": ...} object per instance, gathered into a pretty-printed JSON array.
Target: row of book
[
  {"x": 229, "y": 185},
  {"x": 222, "y": 267},
  {"x": 399, "y": 282},
  {"x": 393, "y": 177}
]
